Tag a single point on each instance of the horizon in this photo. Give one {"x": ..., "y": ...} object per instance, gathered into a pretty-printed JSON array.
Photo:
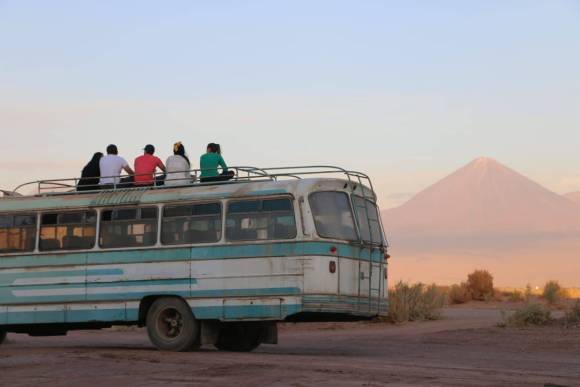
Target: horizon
[{"x": 408, "y": 96}]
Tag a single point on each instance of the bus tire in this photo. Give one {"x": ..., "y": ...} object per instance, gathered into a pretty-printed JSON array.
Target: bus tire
[
  {"x": 2, "y": 336},
  {"x": 239, "y": 337},
  {"x": 171, "y": 325}
]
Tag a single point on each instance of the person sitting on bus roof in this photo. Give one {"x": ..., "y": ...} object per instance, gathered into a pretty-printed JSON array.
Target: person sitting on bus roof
[
  {"x": 209, "y": 163},
  {"x": 91, "y": 174},
  {"x": 111, "y": 167},
  {"x": 178, "y": 167},
  {"x": 146, "y": 165}
]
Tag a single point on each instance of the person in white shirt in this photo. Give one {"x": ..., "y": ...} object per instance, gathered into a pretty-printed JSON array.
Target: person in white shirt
[
  {"x": 111, "y": 167},
  {"x": 178, "y": 167}
]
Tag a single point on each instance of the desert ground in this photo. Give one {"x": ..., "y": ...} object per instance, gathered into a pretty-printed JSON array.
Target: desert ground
[{"x": 464, "y": 348}]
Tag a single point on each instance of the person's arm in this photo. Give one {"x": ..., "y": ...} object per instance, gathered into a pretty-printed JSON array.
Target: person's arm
[
  {"x": 222, "y": 163},
  {"x": 162, "y": 166},
  {"x": 127, "y": 168}
]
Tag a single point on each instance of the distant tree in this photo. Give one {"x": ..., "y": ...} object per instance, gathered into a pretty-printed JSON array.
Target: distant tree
[
  {"x": 553, "y": 292},
  {"x": 480, "y": 285}
]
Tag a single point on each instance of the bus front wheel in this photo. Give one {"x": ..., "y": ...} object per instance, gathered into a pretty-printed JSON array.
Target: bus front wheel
[
  {"x": 2, "y": 336},
  {"x": 171, "y": 325},
  {"x": 239, "y": 337}
]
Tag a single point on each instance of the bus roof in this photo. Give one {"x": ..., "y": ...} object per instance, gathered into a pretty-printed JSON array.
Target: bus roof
[{"x": 196, "y": 192}]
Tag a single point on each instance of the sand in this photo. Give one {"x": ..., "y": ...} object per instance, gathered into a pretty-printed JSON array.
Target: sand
[{"x": 464, "y": 348}]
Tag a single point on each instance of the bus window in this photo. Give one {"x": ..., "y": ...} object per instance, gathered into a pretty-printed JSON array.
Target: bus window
[
  {"x": 17, "y": 233},
  {"x": 260, "y": 220},
  {"x": 374, "y": 235},
  {"x": 193, "y": 223},
  {"x": 128, "y": 227},
  {"x": 333, "y": 215},
  {"x": 68, "y": 231}
]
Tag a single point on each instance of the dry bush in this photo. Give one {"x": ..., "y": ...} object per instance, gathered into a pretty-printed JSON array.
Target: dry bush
[
  {"x": 480, "y": 285},
  {"x": 415, "y": 302},
  {"x": 459, "y": 294},
  {"x": 529, "y": 293},
  {"x": 553, "y": 293},
  {"x": 515, "y": 296},
  {"x": 573, "y": 314},
  {"x": 530, "y": 314}
]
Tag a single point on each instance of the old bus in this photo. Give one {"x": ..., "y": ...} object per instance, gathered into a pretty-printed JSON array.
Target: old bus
[{"x": 203, "y": 263}]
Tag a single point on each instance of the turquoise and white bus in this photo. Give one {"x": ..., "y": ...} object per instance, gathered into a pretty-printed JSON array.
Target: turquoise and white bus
[{"x": 203, "y": 263}]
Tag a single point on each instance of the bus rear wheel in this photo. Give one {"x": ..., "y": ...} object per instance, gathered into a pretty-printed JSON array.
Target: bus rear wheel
[
  {"x": 171, "y": 325},
  {"x": 2, "y": 336},
  {"x": 239, "y": 337}
]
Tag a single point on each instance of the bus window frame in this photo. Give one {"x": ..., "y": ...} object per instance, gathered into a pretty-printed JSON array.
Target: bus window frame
[
  {"x": 350, "y": 204},
  {"x": 158, "y": 210},
  {"x": 58, "y": 213},
  {"x": 383, "y": 242},
  {"x": 227, "y": 202},
  {"x": 34, "y": 249},
  {"x": 191, "y": 203}
]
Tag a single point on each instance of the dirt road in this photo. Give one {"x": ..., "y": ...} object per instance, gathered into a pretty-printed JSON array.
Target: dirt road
[{"x": 465, "y": 348}]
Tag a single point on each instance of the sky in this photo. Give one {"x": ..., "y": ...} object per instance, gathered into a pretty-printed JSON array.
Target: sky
[{"x": 407, "y": 91}]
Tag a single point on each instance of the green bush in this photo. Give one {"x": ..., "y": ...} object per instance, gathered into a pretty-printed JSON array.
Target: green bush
[
  {"x": 573, "y": 314},
  {"x": 480, "y": 285},
  {"x": 459, "y": 294},
  {"x": 415, "y": 302},
  {"x": 530, "y": 314},
  {"x": 553, "y": 292}
]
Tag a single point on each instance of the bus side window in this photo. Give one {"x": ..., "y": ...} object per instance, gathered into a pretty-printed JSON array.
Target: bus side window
[
  {"x": 261, "y": 220},
  {"x": 68, "y": 231},
  {"x": 192, "y": 223},
  {"x": 128, "y": 227},
  {"x": 17, "y": 233}
]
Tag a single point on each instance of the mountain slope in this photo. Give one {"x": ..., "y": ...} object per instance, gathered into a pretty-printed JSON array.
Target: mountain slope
[
  {"x": 484, "y": 198},
  {"x": 574, "y": 196}
]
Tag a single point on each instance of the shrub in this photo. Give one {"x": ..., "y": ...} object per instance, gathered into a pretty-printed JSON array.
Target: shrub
[
  {"x": 459, "y": 294},
  {"x": 515, "y": 296},
  {"x": 480, "y": 285},
  {"x": 530, "y": 314},
  {"x": 415, "y": 302},
  {"x": 573, "y": 314},
  {"x": 553, "y": 292},
  {"x": 528, "y": 293}
]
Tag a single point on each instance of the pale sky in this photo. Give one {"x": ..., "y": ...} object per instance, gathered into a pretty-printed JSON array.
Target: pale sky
[{"x": 407, "y": 91}]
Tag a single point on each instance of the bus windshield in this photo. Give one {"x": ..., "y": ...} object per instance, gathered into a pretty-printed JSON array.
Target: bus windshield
[
  {"x": 367, "y": 217},
  {"x": 333, "y": 215}
]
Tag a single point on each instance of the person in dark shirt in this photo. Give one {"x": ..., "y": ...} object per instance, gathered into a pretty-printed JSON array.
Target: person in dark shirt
[{"x": 91, "y": 174}]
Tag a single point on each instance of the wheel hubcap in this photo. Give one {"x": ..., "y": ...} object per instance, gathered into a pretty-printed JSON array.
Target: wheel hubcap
[{"x": 170, "y": 323}]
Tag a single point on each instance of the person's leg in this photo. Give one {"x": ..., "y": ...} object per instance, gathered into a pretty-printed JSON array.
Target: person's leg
[
  {"x": 227, "y": 175},
  {"x": 126, "y": 182},
  {"x": 209, "y": 179},
  {"x": 160, "y": 180}
]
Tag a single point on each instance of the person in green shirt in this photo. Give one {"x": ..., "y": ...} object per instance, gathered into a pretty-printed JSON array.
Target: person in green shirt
[{"x": 209, "y": 163}]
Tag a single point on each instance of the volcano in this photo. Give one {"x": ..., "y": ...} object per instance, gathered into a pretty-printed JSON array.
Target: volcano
[
  {"x": 574, "y": 196},
  {"x": 485, "y": 215},
  {"x": 487, "y": 198}
]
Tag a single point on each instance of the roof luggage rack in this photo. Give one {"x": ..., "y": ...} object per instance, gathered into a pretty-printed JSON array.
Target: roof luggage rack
[{"x": 243, "y": 174}]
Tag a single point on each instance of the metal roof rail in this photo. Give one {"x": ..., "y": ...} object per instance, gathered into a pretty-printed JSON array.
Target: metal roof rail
[{"x": 242, "y": 174}]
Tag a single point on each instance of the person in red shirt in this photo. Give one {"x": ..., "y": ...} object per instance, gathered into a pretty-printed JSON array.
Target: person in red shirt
[{"x": 146, "y": 165}]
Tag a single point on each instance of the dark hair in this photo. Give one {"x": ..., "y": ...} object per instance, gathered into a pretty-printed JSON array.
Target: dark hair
[
  {"x": 96, "y": 158},
  {"x": 214, "y": 148},
  {"x": 179, "y": 150},
  {"x": 112, "y": 149}
]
